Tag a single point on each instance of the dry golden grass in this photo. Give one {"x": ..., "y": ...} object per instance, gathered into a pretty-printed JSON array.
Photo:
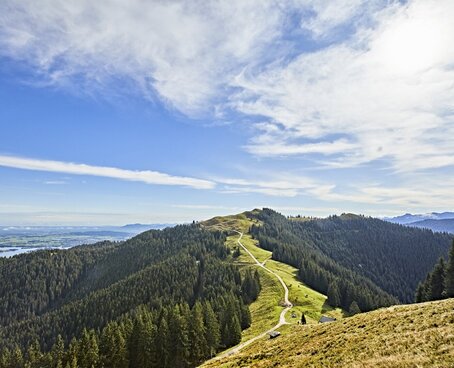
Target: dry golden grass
[{"x": 418, "y": 335}]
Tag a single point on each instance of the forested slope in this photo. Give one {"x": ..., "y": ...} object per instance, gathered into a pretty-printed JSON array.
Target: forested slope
[
  {"x": 126, "y": 293},
  {"x": 353, "y": 258}
]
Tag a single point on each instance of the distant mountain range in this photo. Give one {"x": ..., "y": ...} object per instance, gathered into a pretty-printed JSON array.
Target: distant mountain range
[{"x": 435, "y": 221}]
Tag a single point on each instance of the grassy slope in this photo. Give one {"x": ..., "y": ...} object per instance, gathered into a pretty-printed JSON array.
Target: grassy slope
[
  {"x": 266, "y": 309},
  {"x": 304, "y": 299},
  {"x": 418, "y": 335}
]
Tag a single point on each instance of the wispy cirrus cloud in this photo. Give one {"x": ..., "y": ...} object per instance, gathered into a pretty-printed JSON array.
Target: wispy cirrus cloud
[
  {"x": 387, "y": 90},
  {"x": 181, "y": 52},
  {"x": 145, "y": 176},
  {"x": 280, "y": 185},
  {"x": 55, "y": 182}
]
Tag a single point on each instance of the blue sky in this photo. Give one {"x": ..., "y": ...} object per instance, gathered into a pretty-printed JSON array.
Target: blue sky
[{"x": 152, "y": 111}]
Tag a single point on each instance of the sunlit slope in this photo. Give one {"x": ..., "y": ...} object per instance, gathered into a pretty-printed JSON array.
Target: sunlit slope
[
  {"x": 266, "y": 309},
  {"x": 418, "y": 335}
]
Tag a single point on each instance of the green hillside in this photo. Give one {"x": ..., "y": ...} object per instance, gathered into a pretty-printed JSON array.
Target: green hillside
[
  {"x": 418, "y": 335},
  {"x": 179, "y": 296},
  {"x": 362, "y": 259},
  {"x": 91, "y": 305}
]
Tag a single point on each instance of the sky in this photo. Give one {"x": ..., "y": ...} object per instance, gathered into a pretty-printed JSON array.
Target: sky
[{"x": 115, "y": 112}]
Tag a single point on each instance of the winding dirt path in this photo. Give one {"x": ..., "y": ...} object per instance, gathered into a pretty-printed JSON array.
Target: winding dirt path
[{"x": 282, "y": 320}]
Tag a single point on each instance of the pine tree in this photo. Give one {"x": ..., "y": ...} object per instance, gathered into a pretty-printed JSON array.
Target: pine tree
[
  {"x": 197, "y": 334},
  {"x": 58, "y": 352},
  {"x": 436, "y": 281},
  {"x": 213, "y": 333},
  {"x": 233, "y": 331},
  {"x": 134, "y": 343},
  {"x": 112, "y": 347},
  {"x": 163, "y": 341},
  {"x": 178, "y": 330},
  {"x": 449, "y": 278},
  {"x": 419, "y": 296},
  {"x": 354, "y": 308},
  {"x": 34, "y": 355},
  {"x": 72, "y": 353},
  {"x": 231, "y": 324},
  {"x": 89, "y": 350},
  {"x": 17, "y": 359},
  {"x": 333, "y": 295},
  {"x": 250, "y": 286},
  {"x": 5, "y": 358},
  {"x": 303, "y": 319}
]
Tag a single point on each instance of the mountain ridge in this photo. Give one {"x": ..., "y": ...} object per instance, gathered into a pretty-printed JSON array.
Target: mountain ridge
[{"x": 435, "y": 221}]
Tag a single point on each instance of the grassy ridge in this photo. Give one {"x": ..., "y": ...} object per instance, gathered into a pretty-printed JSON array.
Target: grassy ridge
[
  {"x": 418, "y": 335},
  {"x": 266, "y": 309}
]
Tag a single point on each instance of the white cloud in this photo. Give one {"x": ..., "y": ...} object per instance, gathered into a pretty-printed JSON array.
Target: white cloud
[
  {"x": 281, "y": 185},
  {"x": 285, "y": 149},
  {"x": 381, "y": 91},
  {"x": 148, "y": 177},
  {"x": 328, "y": 15},
  {"x": 55, "y": 182},
  {"x": 387, "y": 92},
  {"x": 417, "y": 193},
  {"x": 204, "y": 207},
  {"x": 186, "y": 52}
]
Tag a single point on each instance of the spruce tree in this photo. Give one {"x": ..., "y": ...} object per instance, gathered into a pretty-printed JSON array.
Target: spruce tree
[
  {"x": 233, "y": 331},
  {"x": 72, "y": 353},
  {"x": 113, "y": 349},
  {"x": 354, "y": 308},
  {"x": 163, "y": 342},
  {"x": 449, "y": 278},
  {"x": 197, "y": 334},
  {"x": 89, "y": 350},
  {"x": 58, "y": 351},
  {"x": 134, "y": 343},
  {"x": 436, "y": 281},
  {"x": 245, "y": 316},
  {"x": 178, "y": 330},
  {"x": 419, "y": 296},
  {"x": 17, "y": 359},
  {"x": 231, "y": 323},
  {"x": 333, "y": 295},
  {"x": 34, "y": 355},
  {"x": 213, "y": 333},
  {"x": 148, "y": 337}
]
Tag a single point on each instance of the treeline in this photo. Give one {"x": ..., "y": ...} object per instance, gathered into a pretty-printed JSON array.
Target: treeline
[
  {"x": 176, "y": 336},
  {"x": 343, "y": 287},
  {"x": 355, "y": 260},
  {"x": 154, "y": 276},
  {"x": 439, "y": 283}
]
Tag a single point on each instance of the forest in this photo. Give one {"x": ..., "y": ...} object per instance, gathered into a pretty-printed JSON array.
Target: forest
[
  {"x": 357, "y": 261},
  {"x": 439, "y": 282},
  {"x": 172, "y": 298},
  {"x": 164, "y": 293}
]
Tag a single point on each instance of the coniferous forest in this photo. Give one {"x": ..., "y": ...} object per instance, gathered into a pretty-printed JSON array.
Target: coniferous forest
[
  {"x": 439, "y": 283},
  {"x": 161, "y": 299},
  {"x": 172, "y": 298},
  {"x": 356, "y": 261}
]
